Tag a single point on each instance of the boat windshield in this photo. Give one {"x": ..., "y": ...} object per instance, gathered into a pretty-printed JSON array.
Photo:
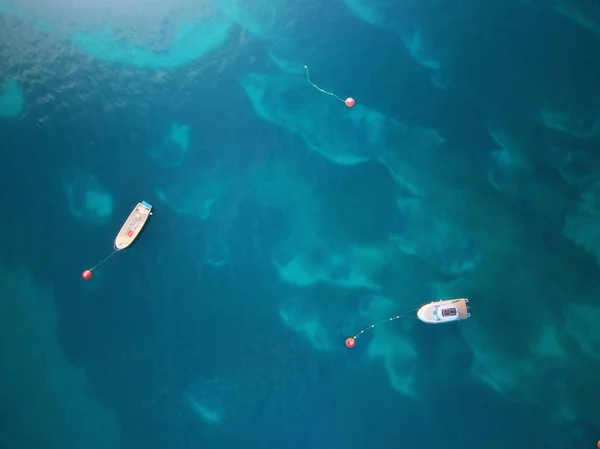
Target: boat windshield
[{"x": 449, "y": 312}]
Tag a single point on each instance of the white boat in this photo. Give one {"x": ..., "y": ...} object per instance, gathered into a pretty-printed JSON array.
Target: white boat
[
  {"x": 443, "y": 311},
  {"x": 133, "y": 225}
]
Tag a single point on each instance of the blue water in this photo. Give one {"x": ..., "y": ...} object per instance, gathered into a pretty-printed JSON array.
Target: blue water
[{"x": 285, "y": 222}]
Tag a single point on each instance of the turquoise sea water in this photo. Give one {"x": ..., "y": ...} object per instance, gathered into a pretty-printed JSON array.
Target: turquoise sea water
[{"x": 285, "y": 222}]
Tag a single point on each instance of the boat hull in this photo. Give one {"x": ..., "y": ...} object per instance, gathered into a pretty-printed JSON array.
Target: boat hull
[
  {"x": 444, "y": 311},
  {"x": 133, "y": 225}
]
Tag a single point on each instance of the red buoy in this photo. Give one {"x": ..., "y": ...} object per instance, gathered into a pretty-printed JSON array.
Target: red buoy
[
  {"x": 86, "y": 275},
  {"x": 348, "y": 101},
  {"x": 350, "y": 342}
]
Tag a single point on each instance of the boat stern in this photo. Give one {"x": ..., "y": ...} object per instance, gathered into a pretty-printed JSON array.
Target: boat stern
[{"x": 461, "y": 307}]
